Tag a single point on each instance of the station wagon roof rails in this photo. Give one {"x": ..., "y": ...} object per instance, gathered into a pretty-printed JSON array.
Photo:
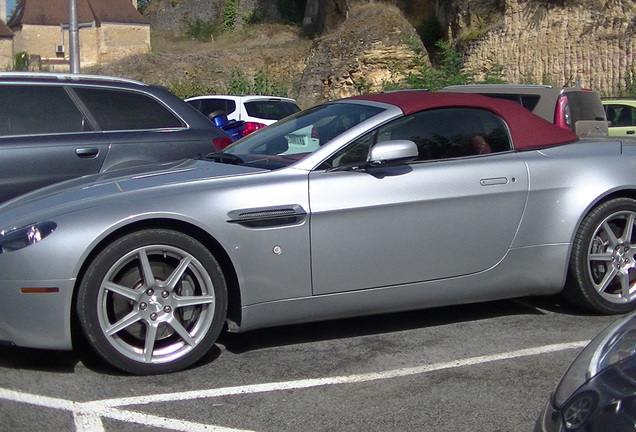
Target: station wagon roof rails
[
  {"x": 498, "y": 86},
  {"x": 406, "y": 90},
  {"x": 68, "y": 77}
]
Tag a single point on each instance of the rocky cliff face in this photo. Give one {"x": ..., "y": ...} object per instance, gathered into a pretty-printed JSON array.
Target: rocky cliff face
[
  {"x": 362, "y": 44},
  {"x": 357, "y": 57},
  {"x": 557, "y": 42}
]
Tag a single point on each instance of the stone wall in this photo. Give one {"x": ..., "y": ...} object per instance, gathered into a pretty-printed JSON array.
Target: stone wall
[
  {"x": 39, "y": 40},
  {"x": 170, "y": 15},
  {"x": 117, "y": 41},
  {"x": 177, "y": 15},
  {"x": 96, "y": 44},
  {"x": 6, "y": 53}
]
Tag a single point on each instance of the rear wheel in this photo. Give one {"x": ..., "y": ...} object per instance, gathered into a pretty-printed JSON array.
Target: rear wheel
[
  {"x": 152, "y": 302},
  {"x": 602, "y": 274}
]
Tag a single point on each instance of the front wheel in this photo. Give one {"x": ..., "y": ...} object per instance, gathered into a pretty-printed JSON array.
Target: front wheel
[
  {"x": 602, "y": 274},
  {"x": 152, "y": 302}
]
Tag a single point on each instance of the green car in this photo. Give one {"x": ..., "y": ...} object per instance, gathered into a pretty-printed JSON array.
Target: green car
[{"x": 621, "y": 116}]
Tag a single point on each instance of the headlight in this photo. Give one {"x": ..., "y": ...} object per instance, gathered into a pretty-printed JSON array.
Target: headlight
[
  {"x": 22, "y": 237},
  {"x": 613, "y": 345}
]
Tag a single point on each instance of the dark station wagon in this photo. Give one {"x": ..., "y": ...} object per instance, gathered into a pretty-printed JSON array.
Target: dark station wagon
[{"x": 54, "y": 127}]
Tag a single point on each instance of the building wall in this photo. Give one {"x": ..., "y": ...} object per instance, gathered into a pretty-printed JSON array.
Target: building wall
[
  {"x": 120, "y": 40},
  {"x": 6, "y": 53},
  {"x": 38, "y": 40},
  {"x": 97, "y": 45}
]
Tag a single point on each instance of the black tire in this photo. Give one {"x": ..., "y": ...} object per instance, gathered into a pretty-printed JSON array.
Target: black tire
[
  {"x": 602, "y": 272},
  {"x": 152, "y": 302}
]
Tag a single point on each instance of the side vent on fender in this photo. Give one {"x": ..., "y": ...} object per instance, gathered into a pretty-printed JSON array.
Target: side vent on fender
[{"x": 268, "y": 217}]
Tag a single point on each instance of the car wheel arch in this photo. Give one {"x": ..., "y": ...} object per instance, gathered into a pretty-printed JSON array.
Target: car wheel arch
[
  {"x": 577, "y": 289},
  {"x": 229, "y": 271},
  {"x": 598, "y": 201}
]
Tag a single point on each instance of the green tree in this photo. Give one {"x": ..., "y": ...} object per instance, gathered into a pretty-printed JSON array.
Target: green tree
[
  {"x": 142, "y": 5},
  {"x": 230, "y": 15},
  {"x": 259, "y": 84},
  {"x": 21, "y": 62},
  {"x": 450, "y": 70}
]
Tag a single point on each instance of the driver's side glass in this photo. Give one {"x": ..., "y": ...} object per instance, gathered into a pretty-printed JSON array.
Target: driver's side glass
[{"x": 439, "y": 134}]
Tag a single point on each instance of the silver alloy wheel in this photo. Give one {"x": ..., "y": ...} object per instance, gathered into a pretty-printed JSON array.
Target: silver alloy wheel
[
  {"x": 156, "y": 304},
  {"x": 611, "y": 258}
]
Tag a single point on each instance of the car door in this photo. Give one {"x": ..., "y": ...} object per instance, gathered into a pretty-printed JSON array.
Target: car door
[
  {"x": 44, "y": 139},
  {"x": 140, "y": 129},
  {"x": 453, "y": 212}
]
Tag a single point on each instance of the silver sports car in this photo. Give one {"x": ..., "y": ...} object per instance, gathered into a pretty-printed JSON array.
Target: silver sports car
[{"x": 365, "y": 205}]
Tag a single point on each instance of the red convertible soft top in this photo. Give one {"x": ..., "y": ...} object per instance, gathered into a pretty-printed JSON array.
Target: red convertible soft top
[{"x": 527, "y": 129}]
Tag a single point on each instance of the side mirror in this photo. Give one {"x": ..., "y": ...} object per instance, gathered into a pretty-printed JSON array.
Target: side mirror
[{"x": 393, "y": 152}]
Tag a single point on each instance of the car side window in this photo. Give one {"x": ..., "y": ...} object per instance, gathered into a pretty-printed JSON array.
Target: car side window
[
  {"x": 621, "y": 115},
  {"x": 33, "y": 110},
  {"x": 450, "y": 133},
  {"x": 126, "y": 110},
  {"x": 439, "y": 134}
]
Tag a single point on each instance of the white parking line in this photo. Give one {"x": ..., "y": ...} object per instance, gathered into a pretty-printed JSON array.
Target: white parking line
[{"x": 88, "y": 415}]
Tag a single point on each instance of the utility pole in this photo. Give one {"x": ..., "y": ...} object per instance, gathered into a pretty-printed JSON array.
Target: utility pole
[{"x": 73, "y": 37}]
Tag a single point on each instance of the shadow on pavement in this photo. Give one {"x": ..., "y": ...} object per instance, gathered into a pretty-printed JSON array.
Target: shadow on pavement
[{"x": 394, "y": 322}]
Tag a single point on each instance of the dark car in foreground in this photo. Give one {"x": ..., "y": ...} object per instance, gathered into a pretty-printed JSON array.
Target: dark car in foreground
[
  {"x": 402, "y": 201},
  {"x": 55, "y": 127},
  {"x": 574, "y": 108},
  {"x": 598, "y": 391}
]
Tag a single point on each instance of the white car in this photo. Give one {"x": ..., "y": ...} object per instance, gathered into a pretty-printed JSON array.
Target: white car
[{"x": 256, "y": 111}]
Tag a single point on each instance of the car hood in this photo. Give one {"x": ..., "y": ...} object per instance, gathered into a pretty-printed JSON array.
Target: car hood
[{"x": 98, "y": 189}]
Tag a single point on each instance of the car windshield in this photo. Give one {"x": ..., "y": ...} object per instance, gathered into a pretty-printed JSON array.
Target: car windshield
[{"x": 293, "y": 138}]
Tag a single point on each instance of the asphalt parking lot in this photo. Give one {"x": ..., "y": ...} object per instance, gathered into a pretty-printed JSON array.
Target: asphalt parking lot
[{"x": 484, "y": 367}]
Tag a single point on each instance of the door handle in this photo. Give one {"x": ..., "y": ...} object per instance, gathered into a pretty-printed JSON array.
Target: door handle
[
  {"x": 494, "y": 181},
  {"x": 87, "y": 152},
  {"x": 630, "y": 132}
]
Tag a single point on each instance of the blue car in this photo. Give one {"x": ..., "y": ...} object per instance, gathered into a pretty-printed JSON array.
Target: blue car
[{"x": 235, "y": 128}]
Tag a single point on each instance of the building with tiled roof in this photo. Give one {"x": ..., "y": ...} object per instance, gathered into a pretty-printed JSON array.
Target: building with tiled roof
[
  {"x": 108, "y": 30},
  {"x": 6, "y": 46}
]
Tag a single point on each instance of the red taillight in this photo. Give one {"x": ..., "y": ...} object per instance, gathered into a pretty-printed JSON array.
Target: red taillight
[
  {"x": 562, "y": 116},
  {"x": 252, "y": 127},
  {"x": 315, "y": 133},
  {"x": 221, "y": 142}
]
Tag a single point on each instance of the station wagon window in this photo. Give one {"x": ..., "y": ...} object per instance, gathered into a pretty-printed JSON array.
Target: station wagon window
[
  {"x": 33, "y": 110},
  {"x": 439, "y": 134},
  {"x": 270, "y": 109},
  {"x": 528, "y": 101},
  {"x": 208, "y": 106},
  {"x": 126, "y": 110}
]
